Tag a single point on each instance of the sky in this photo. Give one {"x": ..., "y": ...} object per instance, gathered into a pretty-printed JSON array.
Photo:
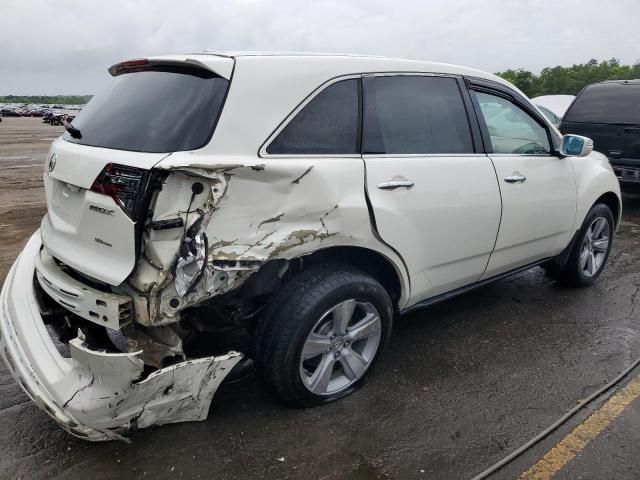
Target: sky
[{"x": 65, "y": 46}]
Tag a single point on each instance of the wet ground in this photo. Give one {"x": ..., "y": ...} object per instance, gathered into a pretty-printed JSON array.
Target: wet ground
[{"x": 461, "y": 385}]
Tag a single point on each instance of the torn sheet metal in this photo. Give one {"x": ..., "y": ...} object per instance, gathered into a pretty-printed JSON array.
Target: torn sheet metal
[{"x": 249, "y": 213}]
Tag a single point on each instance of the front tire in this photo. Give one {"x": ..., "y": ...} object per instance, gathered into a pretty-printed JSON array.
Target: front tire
[
  {"x": 590, "y": 250},
  {"x": 322, "y": 333}
]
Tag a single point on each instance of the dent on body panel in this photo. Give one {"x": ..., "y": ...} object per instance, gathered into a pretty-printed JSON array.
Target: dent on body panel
[{"x": 247, "y": 214}]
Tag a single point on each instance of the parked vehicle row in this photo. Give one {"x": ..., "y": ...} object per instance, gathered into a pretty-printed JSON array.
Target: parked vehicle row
[
  {"x": 56, "y": 118},
  {"x": 54, "y": 115}
]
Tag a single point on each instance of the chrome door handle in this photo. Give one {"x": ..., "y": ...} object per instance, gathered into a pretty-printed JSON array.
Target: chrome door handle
[
  {"x": 393, "y": 184},
  {"x": 515, "y": 178}
]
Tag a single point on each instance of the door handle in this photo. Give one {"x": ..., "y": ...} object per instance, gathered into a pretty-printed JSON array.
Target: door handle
[
  {"x": 393, "y": 184},
  {"x": 516, "y": 178}
]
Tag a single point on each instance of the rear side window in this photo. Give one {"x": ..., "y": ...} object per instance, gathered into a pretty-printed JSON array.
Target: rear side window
[
  {"x": 615, "y": 102},
  {"x": 414, "y": 115},
  {"x": 166, "y": 109},
  {"x": 328, "y": 125}
]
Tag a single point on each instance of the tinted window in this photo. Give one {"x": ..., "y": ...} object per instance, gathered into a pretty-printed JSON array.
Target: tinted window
[
  {"x": 512, "y": 130},
  {"x": 328, "y": 124},
  {"x": 163, "y": 110},
  {"x": 614, "y": 102},
  {"x": 415, "y": 115}
]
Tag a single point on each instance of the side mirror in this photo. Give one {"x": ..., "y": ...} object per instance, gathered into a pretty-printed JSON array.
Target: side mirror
[{"x": 576, "y": 146}]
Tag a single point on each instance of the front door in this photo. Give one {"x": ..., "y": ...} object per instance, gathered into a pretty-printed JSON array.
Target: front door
[
  {"x": 537, "y": 185},
  {"x": 435, "y": 197}
]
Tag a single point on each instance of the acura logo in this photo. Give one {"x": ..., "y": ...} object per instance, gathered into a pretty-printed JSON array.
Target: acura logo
[{"x": 52, "y": 162}]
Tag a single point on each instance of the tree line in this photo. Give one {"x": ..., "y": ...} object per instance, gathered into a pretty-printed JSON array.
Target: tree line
[
  {"x": 47, "y": 99},
  {"x": 569, "y": 80}
]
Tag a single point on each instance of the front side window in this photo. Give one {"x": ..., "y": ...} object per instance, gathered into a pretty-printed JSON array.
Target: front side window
[
  {"x": 414, "y": 115},
  {"x": 512, "y": 130},
  {"x": 328, "y": 125}
]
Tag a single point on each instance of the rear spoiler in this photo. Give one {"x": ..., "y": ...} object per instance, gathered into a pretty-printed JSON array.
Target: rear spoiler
[{"x": 221, "y": 66}]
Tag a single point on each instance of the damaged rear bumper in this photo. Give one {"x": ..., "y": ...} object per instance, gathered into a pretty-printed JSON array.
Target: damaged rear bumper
[{"x": 96, "y": 395}]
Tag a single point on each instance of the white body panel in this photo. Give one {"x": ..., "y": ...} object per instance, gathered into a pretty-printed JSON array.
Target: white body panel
[
  {"x": 445, "y": 238},
  {"x": 99, "y": 245},
  {"x": 538, "y": 215}
]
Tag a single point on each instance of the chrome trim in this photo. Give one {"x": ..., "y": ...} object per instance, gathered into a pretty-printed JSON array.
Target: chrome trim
[
  {"x": 421, "y": 155},
  {"x": 393, "y": 184},
  {"x": 516, "y": 178}
]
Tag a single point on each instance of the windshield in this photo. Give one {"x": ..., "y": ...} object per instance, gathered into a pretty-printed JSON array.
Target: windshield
[
  {"x": 614, "y": 102},
  {"x": 166, "y": 109}
]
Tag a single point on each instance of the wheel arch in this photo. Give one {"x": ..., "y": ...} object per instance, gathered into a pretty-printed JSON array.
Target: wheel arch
[
  {"x": 611, "y": 200},
  {"x": 372, "y": 262},
  {"x": 596, "y": 183}
]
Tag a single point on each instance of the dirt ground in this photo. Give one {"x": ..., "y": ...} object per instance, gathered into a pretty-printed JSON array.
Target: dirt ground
[
  {"x": 461, "y": 385},
  {"x": 24, "y": 143}
]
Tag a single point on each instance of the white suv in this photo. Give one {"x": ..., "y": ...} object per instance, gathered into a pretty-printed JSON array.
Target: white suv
[{"x": 210, "y": 210}]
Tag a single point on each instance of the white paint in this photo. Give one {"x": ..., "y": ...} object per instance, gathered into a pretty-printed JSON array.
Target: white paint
[{"x": 445, "y": 237}]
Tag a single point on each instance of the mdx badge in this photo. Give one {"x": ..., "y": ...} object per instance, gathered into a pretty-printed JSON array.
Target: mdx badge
[{"x": 99, "y": 209}]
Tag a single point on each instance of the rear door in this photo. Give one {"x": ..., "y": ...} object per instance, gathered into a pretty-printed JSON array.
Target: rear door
[
  {"x": 537, "y": 185},
  {"x": 97, "y": 174},
  {"x": 434, "y": 194}
]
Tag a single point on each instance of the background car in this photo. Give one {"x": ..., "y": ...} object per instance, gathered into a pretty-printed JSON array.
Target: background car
[
  {"x": 9, "y": 111},
  {"x": 609, "y": 113},
  {"x": 553, "y": 106}
]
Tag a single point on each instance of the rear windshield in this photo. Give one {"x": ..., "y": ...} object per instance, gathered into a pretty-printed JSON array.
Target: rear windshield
[
  {"x": 606, "y": 103},
  {"x": 166, "y": 109}
]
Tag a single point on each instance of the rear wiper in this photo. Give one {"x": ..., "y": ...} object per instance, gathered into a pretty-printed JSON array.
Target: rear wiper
[{"x": 73, "y": 131}]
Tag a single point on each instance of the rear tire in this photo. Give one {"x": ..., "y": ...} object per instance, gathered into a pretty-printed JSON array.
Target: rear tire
[
  {"x": 590, "y": 251},
  {"x": 322, "y": 333}
]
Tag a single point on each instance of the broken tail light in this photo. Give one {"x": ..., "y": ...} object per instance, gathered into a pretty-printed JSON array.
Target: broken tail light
[{"x": 126, "y": 185}]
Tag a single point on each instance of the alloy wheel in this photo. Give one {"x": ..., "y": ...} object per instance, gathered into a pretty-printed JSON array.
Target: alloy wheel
[
  {"x": 340, "y": 347},
  {"x": 595, "y": 246}
]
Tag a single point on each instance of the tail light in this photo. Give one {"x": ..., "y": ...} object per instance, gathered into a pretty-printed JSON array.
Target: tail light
[{"x": 126, "y": 185}]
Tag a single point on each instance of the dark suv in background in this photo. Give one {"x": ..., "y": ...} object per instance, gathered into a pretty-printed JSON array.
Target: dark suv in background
[{"x": 609, "y": 113}]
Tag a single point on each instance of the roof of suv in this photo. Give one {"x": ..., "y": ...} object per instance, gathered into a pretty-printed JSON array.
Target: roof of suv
[
  {"x": 634, "y": 81},
  {"x": 359, "y": 62}
]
